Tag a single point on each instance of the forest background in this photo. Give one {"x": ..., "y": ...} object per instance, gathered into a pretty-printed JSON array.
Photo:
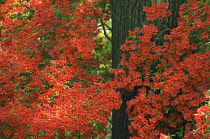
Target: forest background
[{"x": 64, "y": 69}]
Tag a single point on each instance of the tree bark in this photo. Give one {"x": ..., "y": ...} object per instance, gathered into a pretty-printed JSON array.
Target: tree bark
[{"x": 126, "y": 15}]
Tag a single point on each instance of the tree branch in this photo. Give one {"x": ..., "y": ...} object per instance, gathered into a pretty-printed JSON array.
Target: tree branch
[{"x": 104, "y": 29}]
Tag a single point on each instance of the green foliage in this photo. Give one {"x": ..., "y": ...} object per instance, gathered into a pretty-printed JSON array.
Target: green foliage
[{"x": 103, "y": 55}]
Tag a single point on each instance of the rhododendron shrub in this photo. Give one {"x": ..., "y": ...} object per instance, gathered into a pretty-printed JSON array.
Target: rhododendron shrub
[
  {"x": 172, "y": 79},
  {"x": 47, "y": 52},
  {"x": 48, "y": 89},
  {"x": 202, "y": 118}
]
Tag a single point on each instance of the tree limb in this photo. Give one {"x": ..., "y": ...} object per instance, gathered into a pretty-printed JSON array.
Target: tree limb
[{"x": 104, "y": 29}]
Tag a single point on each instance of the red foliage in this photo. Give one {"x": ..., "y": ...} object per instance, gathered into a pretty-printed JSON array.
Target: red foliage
[
  {"x": 44, "y": 79},
  {"x": 157, "y": 11},
  {"x": 172, "y": 78},
  {"x": 45, "y": 84},
  {"x": 202, "y": 118}
]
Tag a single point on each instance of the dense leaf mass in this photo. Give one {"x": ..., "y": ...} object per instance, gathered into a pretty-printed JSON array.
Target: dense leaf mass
[
  {"x": 172, "y": 78},
  {"x": 47, "y": 53}
]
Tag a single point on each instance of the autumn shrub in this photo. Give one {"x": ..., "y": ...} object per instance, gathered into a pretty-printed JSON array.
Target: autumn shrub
[
  {"x": 172, "y": 79},
  {"x": 48, "y": 89},
  {"x": 47, "y": 86},
  {"x": 202, "y": 118}
]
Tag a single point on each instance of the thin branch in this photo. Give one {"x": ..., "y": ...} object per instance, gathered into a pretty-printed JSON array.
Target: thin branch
[
  {"x": 109, "y": 28},
  {"x": 161, "y": 33},
  {"x": 104, "y": 29},
  {"x": 104, "y": 25}
]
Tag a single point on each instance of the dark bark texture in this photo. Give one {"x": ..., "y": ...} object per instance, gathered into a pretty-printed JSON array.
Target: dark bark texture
[{"x": 126, "y": 15}]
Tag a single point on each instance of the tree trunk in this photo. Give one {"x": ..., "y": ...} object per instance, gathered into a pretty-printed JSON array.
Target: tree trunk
[{"x": 126, "y": 15}]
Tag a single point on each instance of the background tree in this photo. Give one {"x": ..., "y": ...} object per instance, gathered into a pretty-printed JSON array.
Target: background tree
[
  {"x": 127, "y": 15},
  {"x": 159, "y": 73}
]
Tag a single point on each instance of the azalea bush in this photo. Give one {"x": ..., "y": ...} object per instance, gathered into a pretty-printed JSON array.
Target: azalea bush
[
  {"x": 171, "y": 79},
  {"x": 202, "y": 118},
  {"x": 50, "y": 87}
]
